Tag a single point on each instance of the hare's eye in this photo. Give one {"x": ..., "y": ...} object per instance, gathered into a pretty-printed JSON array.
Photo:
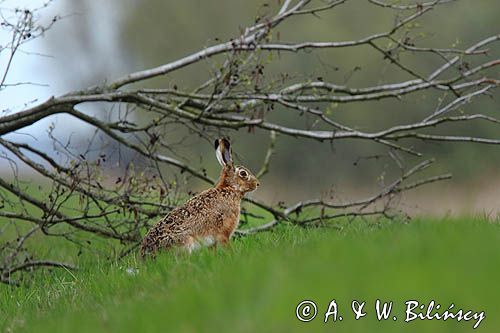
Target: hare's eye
[{"x": 243, "y": 174}]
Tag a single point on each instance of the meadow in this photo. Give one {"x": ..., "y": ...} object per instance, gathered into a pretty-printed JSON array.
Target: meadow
[{"x": 256, "y": 283}]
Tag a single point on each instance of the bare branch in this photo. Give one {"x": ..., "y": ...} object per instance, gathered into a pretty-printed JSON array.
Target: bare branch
[{"x": 117, "y": 197}]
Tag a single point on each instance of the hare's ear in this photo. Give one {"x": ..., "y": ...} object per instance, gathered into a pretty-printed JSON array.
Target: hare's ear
[{"x": 223, "y": 151}]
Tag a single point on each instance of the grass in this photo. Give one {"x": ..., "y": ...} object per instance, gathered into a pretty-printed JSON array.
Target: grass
[{"x": 255, "y": 284}]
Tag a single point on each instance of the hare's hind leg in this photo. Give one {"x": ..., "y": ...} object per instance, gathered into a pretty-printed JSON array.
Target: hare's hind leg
[
  {"x": 194, "y": 243},
  {"x": 190, "y": 244}
]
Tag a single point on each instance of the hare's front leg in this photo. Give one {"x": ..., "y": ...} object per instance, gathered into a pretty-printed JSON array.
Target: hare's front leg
[{"x": 223, "y": 238}]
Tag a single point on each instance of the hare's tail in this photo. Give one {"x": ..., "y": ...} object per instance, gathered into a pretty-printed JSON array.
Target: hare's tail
[{"x": 148, "y": 246}]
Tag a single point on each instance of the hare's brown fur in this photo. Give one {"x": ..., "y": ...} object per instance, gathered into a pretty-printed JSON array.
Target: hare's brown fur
[{"x": 208, "y": 218}]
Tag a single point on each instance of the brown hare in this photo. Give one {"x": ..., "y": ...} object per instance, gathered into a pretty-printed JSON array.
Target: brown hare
[{"x": 208, "y": 218}]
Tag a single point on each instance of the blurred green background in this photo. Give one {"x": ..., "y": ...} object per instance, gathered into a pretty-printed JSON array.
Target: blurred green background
[{"x": 101, "y": 41}]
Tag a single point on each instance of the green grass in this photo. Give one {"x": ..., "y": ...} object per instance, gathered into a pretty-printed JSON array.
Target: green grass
[{"x": 255, "y": 284}]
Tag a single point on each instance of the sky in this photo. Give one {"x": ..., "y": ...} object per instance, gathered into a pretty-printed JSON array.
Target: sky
[
  {"x": 32, "y": 63},
  {"x": 27, "y": 66},
  {"x": 54, "y": 73}
]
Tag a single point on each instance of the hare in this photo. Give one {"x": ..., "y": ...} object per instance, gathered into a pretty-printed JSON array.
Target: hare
[{"x": 208, "y": 218}]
